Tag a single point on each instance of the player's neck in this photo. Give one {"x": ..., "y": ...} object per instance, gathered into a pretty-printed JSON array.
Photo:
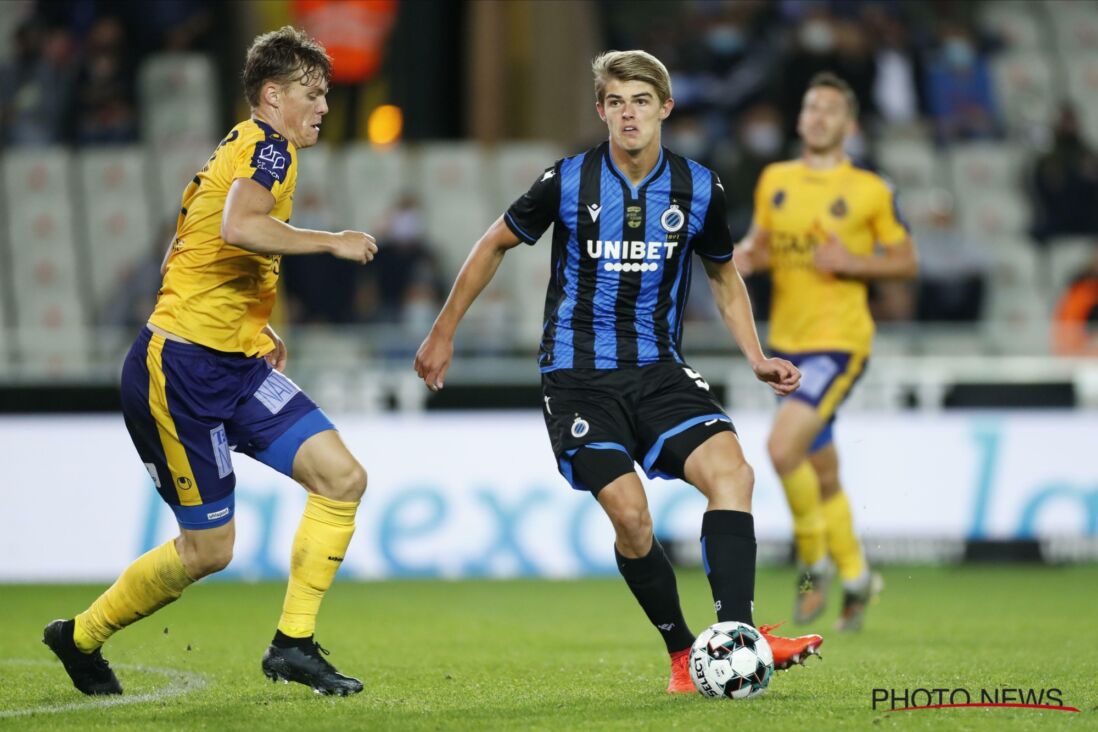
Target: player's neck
[
  {"x": 823, "y": 159},
  {"x": 636, "y": 167},
  {"x": 272, "y": 120}
]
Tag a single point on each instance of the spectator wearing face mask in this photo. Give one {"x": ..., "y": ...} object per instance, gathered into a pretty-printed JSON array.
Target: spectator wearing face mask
[{"x": 959, "y": 93}]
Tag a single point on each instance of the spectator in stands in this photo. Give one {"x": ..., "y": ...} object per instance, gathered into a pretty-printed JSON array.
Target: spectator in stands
[
  {"x": 1075, "y": 323},
  {"x": 36, "y": 85},
  {"x": 953, "y": 270},
  {"x": 1065, "y": 183},
  {"x": 317, "y": 291},
  {"x": 106, "y": 110},
  {"x": 896, "y": 86},
  {"x": 407, "y": 275},
  {"x": 958, "y": 83}
]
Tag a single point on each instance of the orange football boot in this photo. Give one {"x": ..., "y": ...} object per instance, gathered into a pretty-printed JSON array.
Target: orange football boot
[
  {"x": 680, "y": 682},
  {"x": 790, "y": 651}
]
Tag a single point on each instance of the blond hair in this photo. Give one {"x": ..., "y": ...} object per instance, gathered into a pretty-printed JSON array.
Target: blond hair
[{"x": 634, "y": 65}]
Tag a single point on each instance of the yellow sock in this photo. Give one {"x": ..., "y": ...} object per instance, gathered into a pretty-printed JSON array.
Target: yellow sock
[
  {"x": 155, "y": 579},
  {"x": 319, "y": 546},
  {"x": 842, "y": 544},
  {"x": 802, "y": 490}
]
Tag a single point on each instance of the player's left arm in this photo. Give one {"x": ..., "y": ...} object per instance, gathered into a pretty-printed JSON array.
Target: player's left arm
[
  {"x": 895, "y": 256},
  {"x": 714, "y": 244}
]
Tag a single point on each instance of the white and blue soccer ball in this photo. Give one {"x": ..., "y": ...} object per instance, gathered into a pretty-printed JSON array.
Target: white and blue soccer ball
[{"x": 731, "y": 660}]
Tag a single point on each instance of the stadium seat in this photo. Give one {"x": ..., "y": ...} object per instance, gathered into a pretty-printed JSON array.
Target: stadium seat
[
  {"x": 173, "y": 168},
  {"x": 1074, "y": 26},
  {"x": 1066, "y": 257},
  {"x": 981, "y": 166},
  {"x": 1081, "y": 72},
  {"x": 178, "y": 99},
  {"x": 456, "y": 189},
  {"x": 515, "y": 167},
  {"x": 372, "y": 179},
  {"x": 910, "y": 164},
  {"x": 1016, "y": 23},
  {"x": 992, "y": 214},
  {"x": 119, "y": 232},
  {"x": 1026, "y": 87}
]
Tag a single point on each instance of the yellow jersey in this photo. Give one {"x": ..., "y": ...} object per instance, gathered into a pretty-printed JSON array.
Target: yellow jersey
[
  {"x": 215, "y": 294},
  {"x": 799, "y": 207}
]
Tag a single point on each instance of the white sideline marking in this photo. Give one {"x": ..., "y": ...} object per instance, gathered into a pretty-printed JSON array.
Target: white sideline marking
[{"x": 180, "y": 682}]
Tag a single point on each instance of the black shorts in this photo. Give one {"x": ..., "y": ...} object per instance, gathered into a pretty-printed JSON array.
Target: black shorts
[{"x": 655, "y": 415}]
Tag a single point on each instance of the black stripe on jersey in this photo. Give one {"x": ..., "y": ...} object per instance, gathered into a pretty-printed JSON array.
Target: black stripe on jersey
[
  {"x": 555, "y": 292},
  {"x": 583, "y": 316},
  {"x": 629, "y": 283},
  {"x": 681, "y": 180}
]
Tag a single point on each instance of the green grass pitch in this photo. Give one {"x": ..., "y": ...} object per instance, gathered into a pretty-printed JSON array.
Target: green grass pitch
[{"x": 562, "y": 655}]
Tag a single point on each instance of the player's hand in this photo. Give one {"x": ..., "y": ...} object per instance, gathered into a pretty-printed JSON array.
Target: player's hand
[
  {"x": 433, "y": 360},
  {"x": 831, "y": 257},
  {"x": 782, "y": 376},
  {"x": 355, "y": 246},
  {"x": 276, "y": 358}
]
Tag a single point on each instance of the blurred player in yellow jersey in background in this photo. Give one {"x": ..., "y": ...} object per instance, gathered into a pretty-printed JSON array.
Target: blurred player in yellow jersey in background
[
  {"x": 204, "y": 377},
  {"x": 823, "y": 227}
]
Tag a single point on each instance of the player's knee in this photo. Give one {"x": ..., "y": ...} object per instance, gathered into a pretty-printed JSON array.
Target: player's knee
[
  {"x": 633, "y": 526},
  {"x": 730, "y": 484},
  {"x": 829, "y": 485},
  {"x": 346, "y": 484},
  {"x": 207, "y": 560},
  {"x": 782, "y": 455}
]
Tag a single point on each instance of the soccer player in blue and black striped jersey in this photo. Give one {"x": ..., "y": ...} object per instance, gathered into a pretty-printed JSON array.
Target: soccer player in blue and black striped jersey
[{"x": 627, "y": 217}]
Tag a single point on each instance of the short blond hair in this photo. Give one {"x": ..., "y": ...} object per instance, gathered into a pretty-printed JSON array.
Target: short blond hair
[{"x": 634, "y": 65}]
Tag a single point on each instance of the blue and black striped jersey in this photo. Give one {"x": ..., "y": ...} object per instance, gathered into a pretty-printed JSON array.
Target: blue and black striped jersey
[{"x": 621, "y": 255}]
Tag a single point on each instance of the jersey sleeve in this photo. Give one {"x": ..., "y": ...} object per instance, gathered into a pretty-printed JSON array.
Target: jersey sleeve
[
  {"x": 714, "y": 241},
  {"x": 535, "y": 210},
  {"x": 888, "y": 225},
  {"x": 761, "y": 216},
  {"x": 267, "y": 161}
]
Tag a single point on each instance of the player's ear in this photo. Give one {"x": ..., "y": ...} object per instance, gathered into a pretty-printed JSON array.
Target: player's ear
[
  {"x": 272, "y": 93},
  {"x": 666, "y": 107},
  {"x": 600, "y": 110}
]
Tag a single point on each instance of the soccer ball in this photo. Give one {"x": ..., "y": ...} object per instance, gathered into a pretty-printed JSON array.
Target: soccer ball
[{"x": 731, "y": 659}]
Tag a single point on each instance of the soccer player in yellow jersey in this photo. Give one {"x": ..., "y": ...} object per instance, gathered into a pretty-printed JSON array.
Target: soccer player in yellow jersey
[
  {"x": 205, "y": 377},
  {"x": 823, "y": 227}
]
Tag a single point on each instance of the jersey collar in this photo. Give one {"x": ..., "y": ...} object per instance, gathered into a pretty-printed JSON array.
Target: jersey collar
[{"x": 635, "y": 190}]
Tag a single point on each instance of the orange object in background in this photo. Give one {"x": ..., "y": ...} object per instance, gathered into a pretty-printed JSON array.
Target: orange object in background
[
  {"x": 353, "y": 31},
  {"x": 1078, "y": 308}
]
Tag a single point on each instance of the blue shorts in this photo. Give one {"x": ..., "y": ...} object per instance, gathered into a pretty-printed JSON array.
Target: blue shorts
[
  {"x": 827, "y": 378},
  {"x": 187, "y": 406}
]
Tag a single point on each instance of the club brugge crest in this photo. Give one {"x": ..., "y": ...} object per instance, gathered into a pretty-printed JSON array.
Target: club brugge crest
[
  {"x": 633, "y": 217},
  {"x": 839, "y": 209},
  {"x": 580, "y": 427},
  {"x": 672, "y": 219}
]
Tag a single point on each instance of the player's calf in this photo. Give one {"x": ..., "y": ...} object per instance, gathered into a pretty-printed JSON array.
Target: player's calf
[{"x": 90, "y": 672}]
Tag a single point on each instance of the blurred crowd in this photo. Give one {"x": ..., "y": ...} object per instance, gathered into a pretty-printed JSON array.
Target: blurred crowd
[{"x": 739, "y": 70}]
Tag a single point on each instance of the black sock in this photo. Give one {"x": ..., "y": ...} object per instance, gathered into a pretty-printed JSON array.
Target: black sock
[
  {"x": 652, "y": 581},
  {"x": 728, "y": 553},
  {"x": 281, "y": 640}
]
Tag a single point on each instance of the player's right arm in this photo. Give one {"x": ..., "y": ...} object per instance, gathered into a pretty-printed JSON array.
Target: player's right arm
[
  {"x": 434, "y": 355},
  {"x": 247, "y": 223}
]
